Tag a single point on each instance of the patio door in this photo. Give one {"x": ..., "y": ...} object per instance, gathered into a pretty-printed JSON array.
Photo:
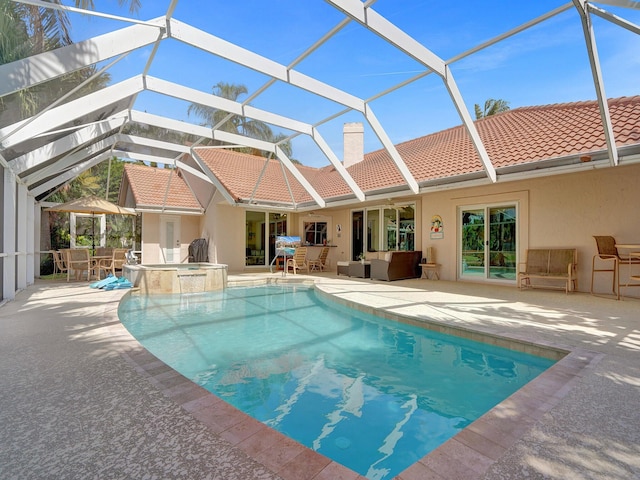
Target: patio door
[
  {"x": 488, "y": 244},
  {"x": 357, "y": 233},
  {"x": 170, "y": 238},
  {"x": 382, "y": 228}
]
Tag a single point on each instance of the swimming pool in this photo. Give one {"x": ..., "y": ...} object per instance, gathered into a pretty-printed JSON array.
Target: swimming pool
[{"x": 372, "y": 394}]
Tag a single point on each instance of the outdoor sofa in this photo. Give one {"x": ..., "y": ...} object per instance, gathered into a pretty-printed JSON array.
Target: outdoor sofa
[{"x": 394, "y": 265}]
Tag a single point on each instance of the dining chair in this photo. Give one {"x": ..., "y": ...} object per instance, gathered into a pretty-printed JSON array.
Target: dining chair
[
  {"x": 79, "y": 260},
  {"x": 608, "y": 260},
  {"x": 59, "y": 262},
  {"x": 117, "y": 260}
]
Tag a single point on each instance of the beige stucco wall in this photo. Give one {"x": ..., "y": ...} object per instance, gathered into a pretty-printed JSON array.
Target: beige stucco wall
[
  {"x": 225, "y": 227},
  {"x": 189, "y": 231},
  {"x": 555, "y": 211}
]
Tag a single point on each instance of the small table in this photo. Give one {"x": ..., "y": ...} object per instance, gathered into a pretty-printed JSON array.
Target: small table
[
  {"x": 635, "y": 255},
  {"x": 428, "y": 269},
  {"x": 360, "y": 269},
  {"x": 633, "y": 258},
  {"x": 98, "y": 262},
  {"x": 343, "y": 267}
]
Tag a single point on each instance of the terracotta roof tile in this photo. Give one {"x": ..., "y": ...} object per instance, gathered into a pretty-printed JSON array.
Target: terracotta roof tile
[
  {"x": 516, "y": 137},
  {"x": 149, "y": 185},
  {"x": 239, "y": 174}
]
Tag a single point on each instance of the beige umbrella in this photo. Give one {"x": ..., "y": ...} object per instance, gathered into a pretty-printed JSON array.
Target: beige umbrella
[{"x": 93, "y": 205}]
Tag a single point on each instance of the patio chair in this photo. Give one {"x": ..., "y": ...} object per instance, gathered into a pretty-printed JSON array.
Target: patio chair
[
  {"x": 79, "y": 260},
  {"x": 320, "y": 263},
  {"x": 59, "y": 262},
  {"x": 117, "y": 260},
  {"x": 608, "y": 253},
  {"x": 298, "y": 261}
]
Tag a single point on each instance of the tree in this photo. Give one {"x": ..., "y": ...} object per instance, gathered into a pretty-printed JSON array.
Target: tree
[
  {"x": 491, "y": 107},
  {"x": 28, "y": 30},
  {"x": 232, "y": 123}
]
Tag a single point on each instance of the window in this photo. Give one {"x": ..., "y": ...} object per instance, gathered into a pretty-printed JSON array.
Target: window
[{"x": 315, "y": 233}]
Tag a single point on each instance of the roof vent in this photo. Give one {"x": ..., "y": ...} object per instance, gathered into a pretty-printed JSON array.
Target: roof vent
[{"x": 353, "y": 143}]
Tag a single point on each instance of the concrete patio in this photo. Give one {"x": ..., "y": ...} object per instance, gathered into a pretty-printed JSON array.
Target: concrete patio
[{"x": 81, "y": 399}]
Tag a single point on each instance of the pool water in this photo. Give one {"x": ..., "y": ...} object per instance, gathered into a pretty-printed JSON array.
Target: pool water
[{"x": 372, "y": 394}]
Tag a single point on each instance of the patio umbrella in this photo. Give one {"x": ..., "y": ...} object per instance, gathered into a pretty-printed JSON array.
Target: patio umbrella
[{"x": 92, "y": 205}]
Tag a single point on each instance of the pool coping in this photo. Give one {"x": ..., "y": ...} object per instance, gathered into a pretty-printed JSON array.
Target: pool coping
[{"x": 467, "y": 455}]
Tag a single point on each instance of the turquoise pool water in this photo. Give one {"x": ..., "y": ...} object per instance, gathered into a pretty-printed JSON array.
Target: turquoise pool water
[{"x": 372, "y": 394}]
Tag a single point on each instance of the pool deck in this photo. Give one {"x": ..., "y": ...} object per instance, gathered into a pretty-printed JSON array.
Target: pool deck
[{"x": 81, "y": 399}]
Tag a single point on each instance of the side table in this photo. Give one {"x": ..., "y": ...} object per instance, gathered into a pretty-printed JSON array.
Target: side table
[
  {"x": 360, "y": 269},
  {"x": 428, "y": 269}
]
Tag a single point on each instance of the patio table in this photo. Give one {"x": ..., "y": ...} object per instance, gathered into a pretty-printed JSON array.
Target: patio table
[
  {"x": 96, "y": 263},
  {"x": 635, "y": 255},
  {"x": 633, "y": 258}
]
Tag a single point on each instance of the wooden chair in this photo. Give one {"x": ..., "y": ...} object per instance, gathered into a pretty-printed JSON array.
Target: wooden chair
[
  {"x": 59, "y": 262},
  {"x": 320, "y": 263},
  {"x": 298, "y": 261},
  {"x": 79, "y": 260}
]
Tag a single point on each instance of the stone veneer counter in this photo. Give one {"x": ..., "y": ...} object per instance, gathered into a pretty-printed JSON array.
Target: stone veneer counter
[{"x": 176, "y": 278}]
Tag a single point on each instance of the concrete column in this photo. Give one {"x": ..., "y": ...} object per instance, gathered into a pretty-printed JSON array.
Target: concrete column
[
  {"x": 9, "y": 235},
  {"x": 33, "y": 239},
  {"x": 21, "y": 236}
]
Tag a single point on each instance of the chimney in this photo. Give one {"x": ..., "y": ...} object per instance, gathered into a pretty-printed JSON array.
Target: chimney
[{"x": 353, "y": 143}]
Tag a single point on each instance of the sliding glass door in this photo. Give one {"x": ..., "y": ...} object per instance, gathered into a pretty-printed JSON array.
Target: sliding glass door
[
  {"x": 260, "y": 249},
  {"x": 488, "y": 244},
  {"x": 386, "y": 228}
]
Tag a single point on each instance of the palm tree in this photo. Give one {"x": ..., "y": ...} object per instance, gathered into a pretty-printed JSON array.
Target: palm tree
[
  {"x": 29, "y": 30},
  {"x": 233, "y": 123},
  {"x": 491, "y": 107}
]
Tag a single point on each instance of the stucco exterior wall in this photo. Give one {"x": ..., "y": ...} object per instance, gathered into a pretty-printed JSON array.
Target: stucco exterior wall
[
  {"x": 151, "y": 224},
  {"x": 557, "y": 211},
  {"x": 225, "y": 226},
  {"x": 150, "y": 238}
]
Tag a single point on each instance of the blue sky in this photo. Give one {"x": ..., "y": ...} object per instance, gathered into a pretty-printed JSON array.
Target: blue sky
[{"x": 542, "y": 65}]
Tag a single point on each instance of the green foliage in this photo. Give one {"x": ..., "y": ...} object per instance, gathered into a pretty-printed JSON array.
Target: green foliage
[
  {"x": 27, "y": 30},
  {"x": 238, "y": 124},
  {"x": 94, "y": 181},
  {"x": 491, "y": 107}
]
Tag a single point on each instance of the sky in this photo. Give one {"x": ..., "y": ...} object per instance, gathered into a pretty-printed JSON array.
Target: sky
[{"x": 545, "y": 64}]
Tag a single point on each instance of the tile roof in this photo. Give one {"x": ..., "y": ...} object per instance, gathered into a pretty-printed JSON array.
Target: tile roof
[
  {"x": 149, "y": 185},
  {"x": 239, "y": 173},
  {"x": 518, "y": 137}
]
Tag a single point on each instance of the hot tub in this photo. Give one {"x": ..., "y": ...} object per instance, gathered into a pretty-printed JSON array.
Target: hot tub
[{"x": 176, "y": 278}]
